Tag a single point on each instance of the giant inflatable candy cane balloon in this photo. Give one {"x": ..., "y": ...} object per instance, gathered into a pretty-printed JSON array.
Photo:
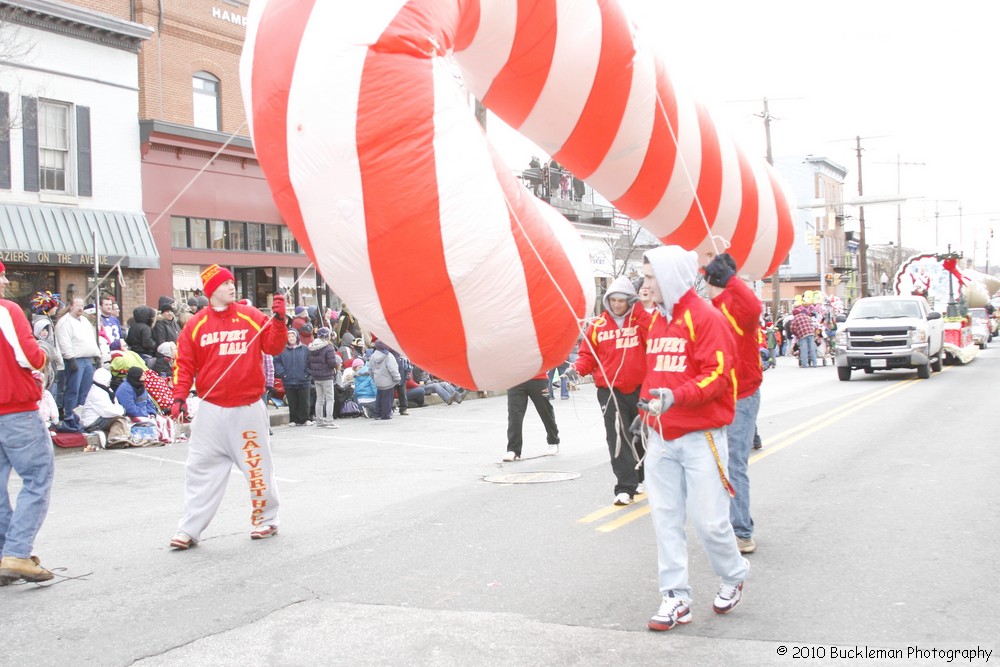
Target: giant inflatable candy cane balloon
[{"x": 386, "y": 179}]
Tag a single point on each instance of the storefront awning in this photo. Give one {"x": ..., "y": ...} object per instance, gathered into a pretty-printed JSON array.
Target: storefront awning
[{"x": 34, "y": 234}]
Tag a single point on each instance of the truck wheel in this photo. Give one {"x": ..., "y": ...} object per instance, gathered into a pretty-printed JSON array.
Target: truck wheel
[
  {"x": 924, "y": 372},
  {"x": 937, "y": 362},
  {"x": 844, "y": 373}
]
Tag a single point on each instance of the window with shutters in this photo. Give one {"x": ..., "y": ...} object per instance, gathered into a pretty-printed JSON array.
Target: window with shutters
[{"x": 53, "y": 146}]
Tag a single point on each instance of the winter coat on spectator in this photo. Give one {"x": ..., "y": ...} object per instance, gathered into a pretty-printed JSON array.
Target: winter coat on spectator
[
  {"x": 803, "y": 325},
  {"x": 136, "y": 402},
  {"x": 385, "y": 370},
  {"x": 324, "y": 361},
  {"x": 100, "y": 403},
  {"x": 140, "y": 334},
  {"x": 292, "y": 365},
  {"x": 364, "y": 384},
  {"x": 39, "y": 322},
  {"x": 166, "y": 331}
]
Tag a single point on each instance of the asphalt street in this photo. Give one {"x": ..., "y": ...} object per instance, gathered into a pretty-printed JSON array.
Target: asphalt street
[{"x": 875, "y": 502}]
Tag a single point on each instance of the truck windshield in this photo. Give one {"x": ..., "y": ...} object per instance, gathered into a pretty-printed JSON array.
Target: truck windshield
[{"x": 885, "y": 310}]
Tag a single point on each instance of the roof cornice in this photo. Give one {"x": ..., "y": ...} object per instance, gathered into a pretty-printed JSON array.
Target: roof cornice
[{"x": 74, "y": 21}]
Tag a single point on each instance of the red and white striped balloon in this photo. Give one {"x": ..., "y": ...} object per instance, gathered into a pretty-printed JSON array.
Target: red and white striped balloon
[{"x": 387, "y": 181}]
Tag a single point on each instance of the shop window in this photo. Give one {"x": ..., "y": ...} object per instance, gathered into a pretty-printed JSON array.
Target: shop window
[
  {"x": 199, "y": 233},
  {"x": 307, "y": 288},
  {"x": 254, "y": 237},
  {"x": 178, "y": 232},
  {"x": 237, "y": 235},
  {"x": 288, "y": 241},
  {"x": 272, "y": 238},
  {"x": 207, "y": 107},
  {"x": 217, "y": 234}
]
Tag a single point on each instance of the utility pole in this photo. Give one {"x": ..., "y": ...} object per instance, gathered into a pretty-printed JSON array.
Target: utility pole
[
  {"x": 775, "y": 277},
  {"x": 863, "y": 248},
  {"x": 899, "y": 207}
]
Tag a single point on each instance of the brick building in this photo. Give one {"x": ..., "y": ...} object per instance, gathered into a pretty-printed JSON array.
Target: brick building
[
  {"x": 70, "y": 188},
  {"x": 203, "y": 190}
]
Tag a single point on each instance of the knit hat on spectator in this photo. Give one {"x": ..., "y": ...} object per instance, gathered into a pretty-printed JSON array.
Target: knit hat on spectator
[
  {"x": 167, "y": 349},
  {"x": 357, "y": 363},
  {"x": 134, "y": 377},
  {"x": 300, "y": 311},
  {"x": 323, "y": 332},
  {"x": 166, "y": 303},
  {"x": 214, "y": 276}
]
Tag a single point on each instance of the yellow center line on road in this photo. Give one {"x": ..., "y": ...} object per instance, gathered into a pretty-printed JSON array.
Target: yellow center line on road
[{"x": 778, "y": 442}]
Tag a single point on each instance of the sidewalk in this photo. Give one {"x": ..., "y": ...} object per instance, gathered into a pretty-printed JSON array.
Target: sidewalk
[{"x": 279, "y": 417}]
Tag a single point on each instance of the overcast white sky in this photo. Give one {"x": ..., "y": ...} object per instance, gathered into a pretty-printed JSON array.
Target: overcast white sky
[{"x": 919, "y": 78}]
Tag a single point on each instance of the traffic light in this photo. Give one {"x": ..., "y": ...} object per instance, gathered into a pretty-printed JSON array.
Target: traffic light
[{"x": 829, "y": 279}]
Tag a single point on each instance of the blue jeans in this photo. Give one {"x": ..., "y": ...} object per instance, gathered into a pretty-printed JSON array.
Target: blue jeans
[
  {"x": 77, "y": 386},
  {"x": 740, "y": 443},
  {"x": 26, "y": 447},
  {"x": 563, "y": 384},
  {"x": 682, "y": 478},
  {"x": 807, "y": 351}
]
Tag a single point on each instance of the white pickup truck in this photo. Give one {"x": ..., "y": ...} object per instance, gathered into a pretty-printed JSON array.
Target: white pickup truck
[{"x": 890, "y": 332}]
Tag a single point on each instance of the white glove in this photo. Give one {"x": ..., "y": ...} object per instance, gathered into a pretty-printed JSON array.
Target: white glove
[{"x": 661, "y": 401}]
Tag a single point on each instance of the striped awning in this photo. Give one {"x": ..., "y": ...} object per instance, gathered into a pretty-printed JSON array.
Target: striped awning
[{"x": 37, "y": 234}]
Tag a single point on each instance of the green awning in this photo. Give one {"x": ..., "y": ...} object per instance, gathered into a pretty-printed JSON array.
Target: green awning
[{"x": 33, "y": 234}]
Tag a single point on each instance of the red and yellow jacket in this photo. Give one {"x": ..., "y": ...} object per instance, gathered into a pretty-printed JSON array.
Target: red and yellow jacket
[
  {"x": 692, "y": 355},
  {"x": 621, "y": 350},
  {"x": 742, "y": 310},
  {"x": 223, "y": 351},
  {"x": 19, "y": 356}
]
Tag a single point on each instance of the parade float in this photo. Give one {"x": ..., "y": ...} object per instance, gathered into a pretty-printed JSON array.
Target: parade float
[{"x": 950, "y": 290}]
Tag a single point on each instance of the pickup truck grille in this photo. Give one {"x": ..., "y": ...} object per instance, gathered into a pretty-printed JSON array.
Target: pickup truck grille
[{"x": 876, "y": 339}]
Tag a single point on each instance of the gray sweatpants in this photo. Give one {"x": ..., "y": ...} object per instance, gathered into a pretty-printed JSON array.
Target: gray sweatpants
[{"x": 221, "y": 437}]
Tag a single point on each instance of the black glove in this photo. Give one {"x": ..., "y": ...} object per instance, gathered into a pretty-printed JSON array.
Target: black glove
[
  {"x": 720, "y": 270},
  {"x": 72, "y": 366}
]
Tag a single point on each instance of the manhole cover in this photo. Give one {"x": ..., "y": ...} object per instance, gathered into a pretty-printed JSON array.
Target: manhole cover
[{"x": 536, "y": 477}]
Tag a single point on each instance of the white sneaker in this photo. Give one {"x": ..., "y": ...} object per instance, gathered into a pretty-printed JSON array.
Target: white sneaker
[
  {"x": 672, "y": 612},
  {"x": 727, "y": 598},
  {"x": 331, "y": 425},
  {"x": 309, "y": 422},
  {"x": 553, "y": 450},
  {"x": 640, "y": 489},
  {"x": 623, "y": 499},
  {"x": 510, "y": 456}
]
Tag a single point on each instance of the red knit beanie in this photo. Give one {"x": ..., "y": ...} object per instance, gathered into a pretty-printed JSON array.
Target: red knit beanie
[{"x": 214, "y": 276}]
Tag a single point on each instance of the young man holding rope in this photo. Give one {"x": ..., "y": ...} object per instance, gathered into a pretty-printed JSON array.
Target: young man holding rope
[
  {"x": 221, "y": 346},
  {"x": 25, "y": 445},
  {"x": 688, "y": 398},
  {"x": 742, "y": 309},
  {"x": 614, "y": 350}
]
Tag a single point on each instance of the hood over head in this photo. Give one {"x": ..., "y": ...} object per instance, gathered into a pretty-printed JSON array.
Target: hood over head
[
  {"x": 297, "y": 339},
  {"x": 134, "y": 377},
  {"x": 144, "y": 315},
  {"x": 40, "y": 326},
  {"x": 675, "y": 270},
  {"x": 102, "y": 376},
  {"x": 622, "y": 286}
]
